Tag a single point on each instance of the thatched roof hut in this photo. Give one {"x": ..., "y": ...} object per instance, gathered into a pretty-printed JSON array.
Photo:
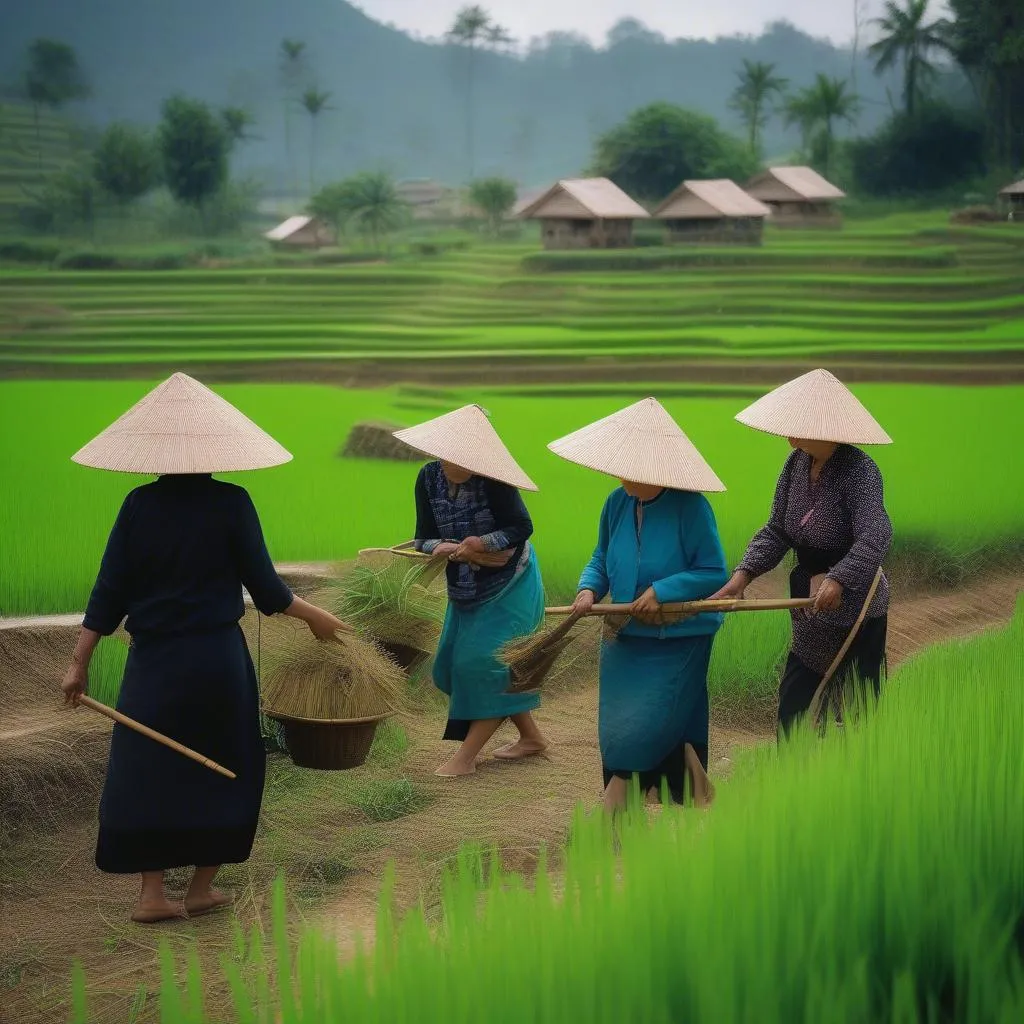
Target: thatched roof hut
[
  {"x": 798, "y": 196},
  {"x": 302, "y": 233},
  {"x": 1013, "y": 198},
  {"x": 584, "y": 213},
  {"x": 717, "y": 211}
]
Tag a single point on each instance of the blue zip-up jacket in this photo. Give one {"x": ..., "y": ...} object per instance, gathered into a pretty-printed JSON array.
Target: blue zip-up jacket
[{"x": 678, "y": 552}]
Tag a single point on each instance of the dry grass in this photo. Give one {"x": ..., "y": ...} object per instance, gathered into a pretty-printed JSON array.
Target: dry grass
[
  {"x": 397, "y": 602},
  {"x": 321, "y": 830},
  {"x": 345, "y": 679}
]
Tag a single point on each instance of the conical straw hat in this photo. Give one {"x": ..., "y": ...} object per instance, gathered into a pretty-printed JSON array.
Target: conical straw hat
[
  {"x": 466, "y": 439},
  {"x": 182, "y": 427},
  {"x": 642, "y": 444},
  {"x": 814, "y": 407}
]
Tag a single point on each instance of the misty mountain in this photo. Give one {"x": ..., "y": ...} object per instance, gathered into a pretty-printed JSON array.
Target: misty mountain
[{"x": 398, "y": 103}]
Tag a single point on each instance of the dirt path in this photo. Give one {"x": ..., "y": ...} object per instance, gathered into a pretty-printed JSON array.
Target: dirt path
[
  {"x": 537, "y": 797},
  {"x": 522, "y": 806}
]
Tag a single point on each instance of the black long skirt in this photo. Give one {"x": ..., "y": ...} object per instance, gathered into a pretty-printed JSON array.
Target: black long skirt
[
  {"x": 865, "y": 661},
  {"x": 160, "y": 810},
  {"x": 671, "y": 771}
]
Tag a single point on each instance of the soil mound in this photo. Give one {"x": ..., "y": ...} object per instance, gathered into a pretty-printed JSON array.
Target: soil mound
[{"x": 375, "y": 440}]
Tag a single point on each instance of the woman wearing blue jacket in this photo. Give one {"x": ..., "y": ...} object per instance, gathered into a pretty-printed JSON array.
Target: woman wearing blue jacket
[{"x": 657, "y": 544}]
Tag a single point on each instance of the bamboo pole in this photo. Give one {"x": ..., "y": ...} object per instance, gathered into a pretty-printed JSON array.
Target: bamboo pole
[
  {"x": 406, "y": 550},
  {"x": 697, "y": 607},
  {"x": 159, "y": 737}
]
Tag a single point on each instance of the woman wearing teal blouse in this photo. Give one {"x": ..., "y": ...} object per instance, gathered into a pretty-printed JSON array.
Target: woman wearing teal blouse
[{"x": 657, "y": 544}]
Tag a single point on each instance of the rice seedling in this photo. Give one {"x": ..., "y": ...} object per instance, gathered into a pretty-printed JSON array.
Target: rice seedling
[
  {"x": 393, "y": 600},
  {"x": 836, "y": 856},
  {"x": 483, "y": 302},
  {"x": 53, "y": 565}
]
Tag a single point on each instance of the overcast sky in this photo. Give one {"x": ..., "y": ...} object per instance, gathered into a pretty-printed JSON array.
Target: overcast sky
[{"x": 833, "y": 19}]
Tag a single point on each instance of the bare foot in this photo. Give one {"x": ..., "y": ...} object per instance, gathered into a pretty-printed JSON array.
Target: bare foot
[
  {"x": 455, "y": 768},
  {"x": 154, "y": 911},
  {"x": 206, "y": 903},
  {"x": 520, "y": 749}
]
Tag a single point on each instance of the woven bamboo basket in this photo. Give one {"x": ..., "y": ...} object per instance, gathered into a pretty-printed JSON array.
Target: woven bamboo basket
[{"x": 329, "y": 745}]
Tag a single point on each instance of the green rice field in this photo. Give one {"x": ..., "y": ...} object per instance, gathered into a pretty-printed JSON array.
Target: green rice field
[
  {"x": 833, "y": 882},
  {"x": 950, "y": 492},
  {"x": 885, "y": 291},
  {"x": 877, "y": 875},
  {"x": 322, "y": 507}
]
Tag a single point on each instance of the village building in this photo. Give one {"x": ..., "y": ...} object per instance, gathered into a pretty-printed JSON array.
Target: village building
[
  {"x": 302, "y": 233},
  {"x": 1012, "y": 198},
  {"x": 716, "y": 211},
  {"x": 425, "y": 198},
  {"x": 797, "y": 196},
  {"x": 584, "y": 213}
]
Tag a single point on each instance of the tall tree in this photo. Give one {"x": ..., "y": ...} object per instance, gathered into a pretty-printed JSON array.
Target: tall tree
[
  {"x": 314, "y": 102},
  {"x": 126, "y": 163},
  {"x": 859, "y": 15},
  {"x": 910, "y": 38},
  {"x": 660, "y": 145},
  {"x": 194, "y": 150},
  {"x": 473, "y": 28},
  {"x": 818, "y": 110},
  {"x": 237, "y": 121},
  {"x": 758, "y": 86},
  {"x": 292, "y": 72},
  {"x": 53, "y": 78},
  {"x": 69, "y": 198},
  {"x": 494, "y": 197},
  {"x": 987, "y": 40},
  {"x": 368, "y": 202}
]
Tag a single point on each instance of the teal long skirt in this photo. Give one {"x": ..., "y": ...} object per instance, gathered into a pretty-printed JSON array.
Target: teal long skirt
[
  {"x": 653, "y": 699},
  {"x": 466, "y": 667}
]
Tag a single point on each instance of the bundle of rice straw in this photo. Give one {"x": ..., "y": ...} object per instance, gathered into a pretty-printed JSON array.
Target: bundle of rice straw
[
  {"x": 396, "y": 601},
  {"x": 346, "y": 679},
  {"x": 562, "y": 655}
]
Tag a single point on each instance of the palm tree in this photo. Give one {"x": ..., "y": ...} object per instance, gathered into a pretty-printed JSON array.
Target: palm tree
[
  {"x": 371, "y": 202},
  {"x": 908, "y": 37},
  {"x": 797, "y": 111},
  {"x": 237, "y": 121},
  {"x": 472, "y": 28},
  {"x": 292, "y": 51},
  {"x": 314, "y": 102},
  {"x": 818, "y": 109},
  {"x": 758, "y": 84}
]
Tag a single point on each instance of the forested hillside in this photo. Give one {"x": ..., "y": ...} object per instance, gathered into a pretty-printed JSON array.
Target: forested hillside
[{"x": 399, "y": 103}]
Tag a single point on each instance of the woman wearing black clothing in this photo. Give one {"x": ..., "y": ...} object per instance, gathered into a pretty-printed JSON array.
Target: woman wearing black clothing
[{"x": 180, "y": 552}]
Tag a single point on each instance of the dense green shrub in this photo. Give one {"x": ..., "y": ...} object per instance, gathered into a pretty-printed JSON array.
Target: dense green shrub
[
  {"x": 937, "y": 149},
  {"x": 29, "y": 251},
  {"x": 93, "y": 259},
  {"x": 662, "y": 144}
]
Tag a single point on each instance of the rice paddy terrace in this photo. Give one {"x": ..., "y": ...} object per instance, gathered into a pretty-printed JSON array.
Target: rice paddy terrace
[
  {"x": 839, "y": 855},
  {"x": 29, "y": 151},
  {"x": 881, "y": 300}
]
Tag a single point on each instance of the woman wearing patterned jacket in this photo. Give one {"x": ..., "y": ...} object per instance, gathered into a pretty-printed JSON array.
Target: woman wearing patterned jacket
[
  {"x": 468, "y": 510},
  {"x": 830, "y": 511}
]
